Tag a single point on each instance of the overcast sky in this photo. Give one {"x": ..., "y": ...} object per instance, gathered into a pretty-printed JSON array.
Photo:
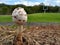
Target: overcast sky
[{"x": 31, "y": 2}]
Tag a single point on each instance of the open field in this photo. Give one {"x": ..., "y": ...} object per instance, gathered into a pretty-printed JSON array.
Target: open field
[
  {"x": 5, "y": 18},
  {"x": 37, "y": 17},
  {"x": 44, "y": 17}
]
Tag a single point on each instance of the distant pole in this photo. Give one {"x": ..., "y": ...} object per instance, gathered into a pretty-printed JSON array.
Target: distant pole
[{"x": 45, "y": 9}]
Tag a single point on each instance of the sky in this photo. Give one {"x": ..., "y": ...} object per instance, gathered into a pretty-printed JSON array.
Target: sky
[{"x": 31, "y": 2}]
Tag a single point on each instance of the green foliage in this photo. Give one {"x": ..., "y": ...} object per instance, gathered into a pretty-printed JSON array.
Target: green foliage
[{"x": 7, "y": 9}]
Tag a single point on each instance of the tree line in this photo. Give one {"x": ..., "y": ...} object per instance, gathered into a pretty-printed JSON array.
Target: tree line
[{"x": 7, "y": 9}]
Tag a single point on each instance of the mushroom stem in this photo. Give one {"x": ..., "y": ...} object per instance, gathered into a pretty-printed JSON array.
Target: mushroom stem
[
  {"x": 19, "y": 31},
  {"x": 21, "y": 28}
]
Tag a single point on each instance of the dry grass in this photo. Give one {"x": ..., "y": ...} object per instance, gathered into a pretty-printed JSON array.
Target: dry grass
[{"x": 36, "y": 35}]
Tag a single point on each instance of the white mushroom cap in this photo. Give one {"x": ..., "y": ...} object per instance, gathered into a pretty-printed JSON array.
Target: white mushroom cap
[{"x": 19, "y": 14}]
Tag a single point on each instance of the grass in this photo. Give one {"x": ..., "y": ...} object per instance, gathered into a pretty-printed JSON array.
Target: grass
[
  {"x": 37, "y": 17},
  {"x": 5, "y": 18}
]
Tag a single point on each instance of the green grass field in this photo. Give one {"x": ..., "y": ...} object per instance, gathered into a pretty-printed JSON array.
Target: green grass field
[
  {"x": 37, "y": 17},
  {"x": 5, "y": 18}
]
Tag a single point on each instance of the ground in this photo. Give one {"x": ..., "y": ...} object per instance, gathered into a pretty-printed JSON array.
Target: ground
[{"x": 48, "y": 34}]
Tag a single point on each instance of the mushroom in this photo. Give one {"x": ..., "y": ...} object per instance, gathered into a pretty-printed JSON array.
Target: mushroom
[{"x": 19, "y": 16}]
